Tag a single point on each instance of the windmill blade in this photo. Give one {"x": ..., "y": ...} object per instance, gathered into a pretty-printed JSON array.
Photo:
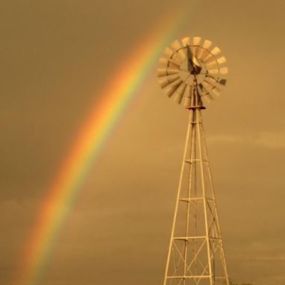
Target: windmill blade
[
  {"x": 224, "y": 70},
  {"x": 213, "y": 71},
  {"x": 194, "y": 50},
  {"x": 170, "y": 90},
  {"x": 221, "y": 60},
  {"x": 176, "y": 45},
  {"x": 205, "y": 91},
  {"x": 180, "y": 92},
  {"x": 196, "y": 41},
  {"x": 214, "y": 87},
  {"x": 216, "y": 92},
  {"x": 207, "y": 44},
  {"x": 169, "y": 62},
  {"x": 212, "y": 80},
  {"x": 201, "y": 89},
  {"x": 195, "y": 45},
  {"x": 163, "y": 83},
  {"x": 219, "y": 80},
  {"x": 173, "y": 84},
  {"x": 207, "y": 98},
  {"x": 212, "y": 64},
  {"x": 166, "y": 81},
  {"x": 186, "y": 41},
  {"x": 213, "y": 54},
  {"x": 204, "y": 50},
  {"x": 206, "y": 88},
  {"x": 211, "y": 91},
  {"x": 208, "y": 57},
  {"x": 215, "y": 51},
  {"x": 163, "y": 61},
  {"x": 179, "y": 95},
  {"x": 168, "y": 52},
  {"x": 161, "y": 72},
  {"x": 199, "y": 53}
]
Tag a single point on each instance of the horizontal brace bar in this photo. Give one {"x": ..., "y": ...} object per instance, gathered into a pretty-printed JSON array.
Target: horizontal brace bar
[
  {"x": 195, "y": 276},
  {"x": 195, "y": 199},
  {"x": 190, "y": 237},
  {"x": 196, "y": 237},
  {"x": 190, "y": 161},
  {"x": 188, "y": 277}
]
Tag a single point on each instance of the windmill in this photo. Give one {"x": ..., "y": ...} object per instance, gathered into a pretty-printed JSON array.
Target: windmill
[{"x": 192, "y": 71}]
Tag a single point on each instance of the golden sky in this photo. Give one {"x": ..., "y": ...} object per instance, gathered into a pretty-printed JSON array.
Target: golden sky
[{"x": 56, "y": 56}]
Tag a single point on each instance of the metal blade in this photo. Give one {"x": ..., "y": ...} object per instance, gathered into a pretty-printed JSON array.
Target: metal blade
[
  {"x": 212, "y": 82},
  {"x": 224, "y": 70},
  {"x": 213, "y": 71},
  {"x": 207, "y": 98},
  {"x": 179, "y": 96},
  {"x": 201, "y": 89},
  {"x": 166, "y": 81},
  {"x": 186, "y": 41},
  {"x": 169, "y": 62},
  {"x": 179, "y": 51},
  {"x": 176, "y": 45},
  {"x": 207, "y": 44},
  {"x": 194, "y": 50},
  {"x": 221, "y": 60},
  {"x": 163, "y": 60},
  {"x": 205, "y": 90},
  {"x": 204, "y": 50},
  {"x": 215, "y": 51},
  {"x": 212, "y": 88},
  {"x": 168, "y": 52},
  {"x": 208, "y": 89},
  {"x": 163, "y": 83},
  {"x": 212, "y": 64},
  {"x": 180, "y": 92},
  {"x": 172, "y": 89},
  {"x": 212, "y": 55},
  {"x": 165, "y": 72},
  {"x": 195, "y": 45},
  {"x": 216, "y": 80},
  {"x": 196, "y": 41},
  {"x": 216, "y": 92}
]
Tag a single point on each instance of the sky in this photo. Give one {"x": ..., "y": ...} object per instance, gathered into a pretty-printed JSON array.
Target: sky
[{"x": 56, "y": 57}]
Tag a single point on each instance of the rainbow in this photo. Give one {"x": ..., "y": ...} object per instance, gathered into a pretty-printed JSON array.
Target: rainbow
[{"x": 99, "y": 124}]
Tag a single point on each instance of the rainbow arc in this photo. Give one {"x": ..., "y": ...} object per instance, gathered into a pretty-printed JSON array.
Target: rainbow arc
[{"x": 100, "y": 122}]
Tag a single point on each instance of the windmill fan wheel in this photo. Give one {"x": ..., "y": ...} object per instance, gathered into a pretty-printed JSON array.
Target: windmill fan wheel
[{"x": 192, "y": 70}]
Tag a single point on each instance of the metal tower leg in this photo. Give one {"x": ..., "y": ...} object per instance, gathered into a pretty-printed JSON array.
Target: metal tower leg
[{"x": 195, "y": 254}]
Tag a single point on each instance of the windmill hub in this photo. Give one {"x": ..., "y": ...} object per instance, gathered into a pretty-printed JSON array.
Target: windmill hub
[{"x": 192, "y": 66}]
